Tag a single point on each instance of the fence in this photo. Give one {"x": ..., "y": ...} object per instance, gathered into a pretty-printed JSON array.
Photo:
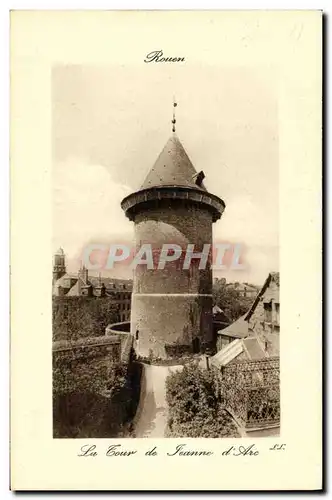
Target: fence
[{"x": 250, "y": 390}]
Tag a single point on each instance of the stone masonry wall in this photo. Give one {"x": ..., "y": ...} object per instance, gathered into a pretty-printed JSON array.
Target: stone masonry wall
[
  {"x": 172, "y": 306},
  {"x": 168, "y": 320}
]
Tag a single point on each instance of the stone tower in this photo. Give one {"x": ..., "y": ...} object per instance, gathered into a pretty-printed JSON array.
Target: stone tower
[
  {"x": 172, "y": 307},
  {"x": 59, "y": 265}
]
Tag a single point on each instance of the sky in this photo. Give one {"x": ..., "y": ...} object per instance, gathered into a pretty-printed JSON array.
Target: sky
[{"x": 109, "y": 124}]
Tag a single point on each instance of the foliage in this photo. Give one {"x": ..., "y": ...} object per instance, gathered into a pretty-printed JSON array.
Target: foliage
[
  {"x": 230, "y": 301},
  {"x": 92, "y": 397},
  {"x": 194, "y": 408},
  {"x": 90, "y": 374},
  {"x": 175, "y": 360},
  {"x": 76, "y": 317}
]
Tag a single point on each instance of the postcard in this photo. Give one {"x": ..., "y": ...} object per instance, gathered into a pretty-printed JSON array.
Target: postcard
[{"x": 166, "y": 199}]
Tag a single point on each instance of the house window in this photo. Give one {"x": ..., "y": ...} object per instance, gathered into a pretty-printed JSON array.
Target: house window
[
  {"x": 224, "y": 341},
  {"x": 277, "y": 313},
  {"x": 268, "y": 312}
]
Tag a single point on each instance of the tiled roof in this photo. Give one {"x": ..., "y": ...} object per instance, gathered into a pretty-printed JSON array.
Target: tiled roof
[
  {"x": 74, "y": 291},
  {"x": 172, "y": 168},
  {"x": 109, "y": 282},
  {"x": 238, "y": 329},
  {"x": 250, "y": 347},
  {"x": 65, "y": 280}
]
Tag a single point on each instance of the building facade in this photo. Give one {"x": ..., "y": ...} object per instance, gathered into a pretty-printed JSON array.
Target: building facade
[
  {"x": 261, "y": 321},
  {"x": 247, "y": 367},
  {"x": 82, "y": 284},
  {"x": 264, "y": 316}
]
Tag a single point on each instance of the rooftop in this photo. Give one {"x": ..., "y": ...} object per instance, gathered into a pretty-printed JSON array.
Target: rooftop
[
  {"x": 71, "y": 282},
  {"x": 172, "y": 168},
  {"x": 238, "y": 329},
  {"x": 174, "y": 177},
  {"x": 250, "y": 347}
]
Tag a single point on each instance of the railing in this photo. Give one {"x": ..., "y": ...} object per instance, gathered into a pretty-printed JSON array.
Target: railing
[{"x": 250, "y": 390}]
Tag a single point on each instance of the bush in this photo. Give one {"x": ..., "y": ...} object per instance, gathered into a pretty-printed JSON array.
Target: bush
[
  {"x": 91, "y": 397},
  {"x": 158, "y": 361},
  {"x": 194, "y": 408},
  {"x": 77, "y": 317},
  {"x": 86, "y": 375}
]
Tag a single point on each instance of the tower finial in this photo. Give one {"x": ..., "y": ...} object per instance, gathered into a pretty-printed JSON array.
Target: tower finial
[{"x": 174, "y": 120}]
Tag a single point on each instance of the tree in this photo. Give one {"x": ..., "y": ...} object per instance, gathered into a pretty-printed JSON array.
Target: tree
[
  {"x": 77, "y": 317},
  {"x": 230, "y": 301}
]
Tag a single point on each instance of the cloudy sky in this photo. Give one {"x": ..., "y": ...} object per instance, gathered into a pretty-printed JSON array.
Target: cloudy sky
[{"x": 110, "y": 123}]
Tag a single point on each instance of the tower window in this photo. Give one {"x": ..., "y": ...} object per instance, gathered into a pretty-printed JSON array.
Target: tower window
[{"x": 199, "y": 178}]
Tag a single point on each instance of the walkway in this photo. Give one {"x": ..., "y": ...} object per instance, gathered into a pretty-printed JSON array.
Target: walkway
[{"x": 151, "y": 415}]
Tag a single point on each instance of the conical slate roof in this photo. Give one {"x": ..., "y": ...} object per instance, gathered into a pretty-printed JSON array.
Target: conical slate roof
[{"x": 172, "y": 168}]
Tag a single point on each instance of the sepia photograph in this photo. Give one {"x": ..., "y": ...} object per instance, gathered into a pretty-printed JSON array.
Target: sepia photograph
[
  {"x": 165, "y": 222},
  {"x": 166, "y": 188}
]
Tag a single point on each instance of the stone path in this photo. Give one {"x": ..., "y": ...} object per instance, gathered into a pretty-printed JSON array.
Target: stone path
[{"x": 151, "y": 415}]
